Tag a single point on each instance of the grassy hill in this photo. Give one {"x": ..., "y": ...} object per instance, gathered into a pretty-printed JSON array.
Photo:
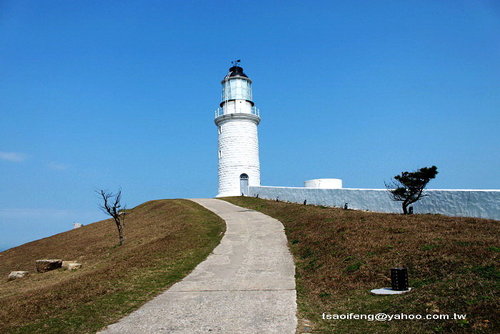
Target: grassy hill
[
  {"x": 165, "y": 240},
  {"x": 341, "y": 255}
]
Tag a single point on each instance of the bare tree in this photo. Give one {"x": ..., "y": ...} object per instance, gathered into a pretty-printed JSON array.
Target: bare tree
[
  {"x": 408, "y": 187},
  {"x": 111, "y": 206}
]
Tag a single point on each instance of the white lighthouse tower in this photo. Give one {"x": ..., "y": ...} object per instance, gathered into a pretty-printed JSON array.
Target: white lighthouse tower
[{"x": 237, "y": 120}]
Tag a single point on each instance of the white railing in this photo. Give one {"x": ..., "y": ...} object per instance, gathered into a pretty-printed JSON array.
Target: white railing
[{"x": 221, "y": 111}]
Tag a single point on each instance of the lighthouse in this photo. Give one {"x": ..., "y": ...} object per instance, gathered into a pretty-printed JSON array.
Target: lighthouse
[{"x": 237, "y": 119}]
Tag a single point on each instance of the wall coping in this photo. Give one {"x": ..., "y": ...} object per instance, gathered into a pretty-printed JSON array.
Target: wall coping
[{"x": 485, "y": 190}]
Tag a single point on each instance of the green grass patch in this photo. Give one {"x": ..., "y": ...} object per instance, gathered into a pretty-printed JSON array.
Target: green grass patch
[
  {"x": 489, "y": 272},
  {"x": 428, "y": 247}
]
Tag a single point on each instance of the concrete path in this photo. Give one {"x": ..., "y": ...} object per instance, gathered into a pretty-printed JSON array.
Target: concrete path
[{"x": 247, "y": 285}]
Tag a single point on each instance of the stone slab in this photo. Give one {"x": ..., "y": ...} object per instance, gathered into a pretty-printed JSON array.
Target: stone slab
[{"x": 389, "y": 291}]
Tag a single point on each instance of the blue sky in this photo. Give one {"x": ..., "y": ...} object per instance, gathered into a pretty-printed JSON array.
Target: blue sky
[{"x": 109, "y": 94}]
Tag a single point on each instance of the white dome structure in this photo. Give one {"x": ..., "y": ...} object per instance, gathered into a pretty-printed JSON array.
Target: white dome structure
[
  {"x": 237, "y": 120},
  {"x": 324, "y": 183}
]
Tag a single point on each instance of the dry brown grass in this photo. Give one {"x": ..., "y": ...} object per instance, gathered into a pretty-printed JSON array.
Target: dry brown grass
[
  {"x": 165, "y": 239},
  {"x": 341, "y": 255}
]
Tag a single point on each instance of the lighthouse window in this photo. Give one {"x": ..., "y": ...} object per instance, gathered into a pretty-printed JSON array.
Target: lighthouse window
[
  {"x": 220, "y": 154},
  {"x": 220, "y": 130}
]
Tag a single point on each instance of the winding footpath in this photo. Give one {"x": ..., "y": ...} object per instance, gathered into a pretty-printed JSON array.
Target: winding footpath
[{"x": 247, "y": 285}]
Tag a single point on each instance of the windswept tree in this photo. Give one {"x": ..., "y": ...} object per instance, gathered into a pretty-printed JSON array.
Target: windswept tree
[
  {"x": 112, "y": 207},
  {"x": 408, "y": 187}
]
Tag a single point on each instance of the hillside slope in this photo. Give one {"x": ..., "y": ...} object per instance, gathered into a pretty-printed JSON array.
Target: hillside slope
[
  {"x": 340, "y": 255},
  {"x": 165, "y": 240}
]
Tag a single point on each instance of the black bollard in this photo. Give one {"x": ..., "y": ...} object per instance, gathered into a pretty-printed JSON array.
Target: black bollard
[
  {"x": 305, "y": 202},
  {"x": 399, "y": 279},
  {"x": 345, "y": 206}
]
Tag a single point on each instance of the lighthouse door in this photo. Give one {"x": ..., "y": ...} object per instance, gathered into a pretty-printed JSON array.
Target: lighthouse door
[{"x": 244, "y": 184}]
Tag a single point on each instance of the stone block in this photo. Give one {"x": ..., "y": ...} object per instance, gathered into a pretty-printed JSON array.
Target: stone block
[
  {"x": 71, "y": 265},
  {"x": 48, "y": 265},
  {"x": 17, "y": 274}
]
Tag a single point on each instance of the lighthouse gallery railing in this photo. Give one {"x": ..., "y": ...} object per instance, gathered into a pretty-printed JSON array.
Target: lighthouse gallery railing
[{"x": 254, "y": 110}]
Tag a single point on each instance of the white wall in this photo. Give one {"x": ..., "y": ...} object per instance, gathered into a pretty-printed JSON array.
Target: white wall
[
  {"x": 238, "y": 154},
  {"x": 463, "y": 203}
]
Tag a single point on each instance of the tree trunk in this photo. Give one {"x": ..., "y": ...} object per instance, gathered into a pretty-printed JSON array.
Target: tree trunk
[
  {"x": 405, "y": 208},
  {"x": 121, "y": 237}
]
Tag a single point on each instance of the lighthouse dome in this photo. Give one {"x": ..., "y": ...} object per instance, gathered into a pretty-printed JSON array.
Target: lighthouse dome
[{"x": 236, "y": 71}]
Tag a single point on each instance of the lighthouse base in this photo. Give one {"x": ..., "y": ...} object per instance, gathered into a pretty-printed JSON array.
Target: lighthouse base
[{"x": 228, "y": 194}]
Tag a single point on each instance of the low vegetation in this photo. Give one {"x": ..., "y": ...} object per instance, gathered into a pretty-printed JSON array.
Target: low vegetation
[
  {"x": 341, "y": 255},
  {"x": 166, "y": 239}
]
